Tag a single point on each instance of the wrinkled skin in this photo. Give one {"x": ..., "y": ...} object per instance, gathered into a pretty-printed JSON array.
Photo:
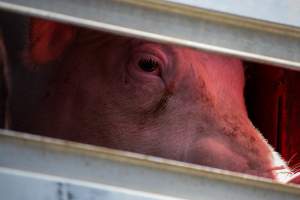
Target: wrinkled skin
[{"x": 140, "y": 96}]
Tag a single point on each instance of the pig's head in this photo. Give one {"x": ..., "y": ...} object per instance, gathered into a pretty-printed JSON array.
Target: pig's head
[{"x": 145, "y": 97}]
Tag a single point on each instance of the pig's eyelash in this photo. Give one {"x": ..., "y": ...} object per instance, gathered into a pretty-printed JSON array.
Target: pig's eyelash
[
  {"x": 148, "y": 61},
  {"x": 148, "y": 64}
]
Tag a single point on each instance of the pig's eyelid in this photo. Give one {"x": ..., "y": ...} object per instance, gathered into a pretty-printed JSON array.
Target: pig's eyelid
[{"x": 149, "y": 64}]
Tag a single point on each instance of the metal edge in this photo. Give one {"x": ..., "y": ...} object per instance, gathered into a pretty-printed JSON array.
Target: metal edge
[
  {"x": 218, "y": 16},
  {"x": 151, "y": 162},
  {"x": 51, "y": 178},
  {"x": 145, "y": 35}
]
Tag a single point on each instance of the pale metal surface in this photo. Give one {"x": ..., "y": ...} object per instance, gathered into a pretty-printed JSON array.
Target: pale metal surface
[
  {"x": 262, "y": 39},
  {"x": 276, "y": 11},
  {"x": 20, "y": 185},
  {"x": 131, "y": 171}
]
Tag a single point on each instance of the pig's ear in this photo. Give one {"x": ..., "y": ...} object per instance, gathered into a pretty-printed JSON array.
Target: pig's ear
[{"x": 48, "y": 40}]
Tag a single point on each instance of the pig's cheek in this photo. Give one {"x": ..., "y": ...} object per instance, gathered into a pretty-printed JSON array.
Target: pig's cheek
[
  {"x": 214, "y": 153},
  {"x": 144, "y": 95},
  {"x": 141, "y": 91},
  {"x": 143, "y": 81}
]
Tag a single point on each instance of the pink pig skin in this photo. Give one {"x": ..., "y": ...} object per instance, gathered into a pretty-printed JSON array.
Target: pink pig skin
[{"x": 129, "y": 94}]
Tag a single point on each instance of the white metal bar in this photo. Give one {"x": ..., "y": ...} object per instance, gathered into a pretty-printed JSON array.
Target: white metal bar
[
  {"x": 16, "y": 185},
  {"x": 129, "y": 171},
  {"x": 285, "y": 12},
  {"x": 268, "y": 40}
]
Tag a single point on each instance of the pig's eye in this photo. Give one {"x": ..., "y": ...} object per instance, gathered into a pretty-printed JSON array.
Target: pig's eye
[{"x": 148, "y": 64}]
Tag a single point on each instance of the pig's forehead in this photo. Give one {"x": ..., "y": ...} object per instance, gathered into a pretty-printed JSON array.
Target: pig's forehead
[
  {"x": 166, "y": 48},
  {"x": 170, "y": 50}
]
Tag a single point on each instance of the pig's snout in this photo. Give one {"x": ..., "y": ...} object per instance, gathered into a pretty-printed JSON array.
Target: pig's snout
[
  {"x": 282, "y": 173},
  {"x": 294, "y": 178},
  {"x": 215, "y": 153}
]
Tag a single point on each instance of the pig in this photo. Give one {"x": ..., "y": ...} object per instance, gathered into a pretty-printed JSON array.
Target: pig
[{"x": 140, "y": 96}]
